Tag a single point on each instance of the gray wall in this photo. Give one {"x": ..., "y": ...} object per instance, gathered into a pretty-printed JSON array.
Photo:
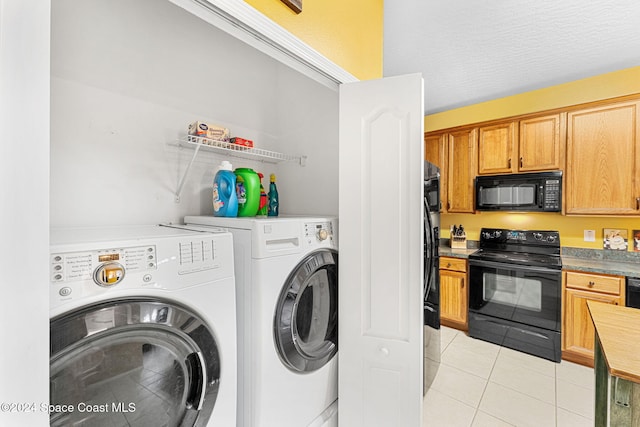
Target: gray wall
[{"x": 126, "y": 80}]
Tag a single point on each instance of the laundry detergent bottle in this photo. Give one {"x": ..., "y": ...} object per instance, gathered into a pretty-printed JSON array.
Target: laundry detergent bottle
[
  {"x": 262, "y": 207},
  {"x": 248, "y": 191},
  {"x": 274, "y": 202},
  {"x": 225, "y": 200}
]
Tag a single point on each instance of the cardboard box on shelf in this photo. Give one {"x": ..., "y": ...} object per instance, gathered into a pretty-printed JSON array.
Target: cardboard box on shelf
[
  {"x": 205, "y": 130},
  {"x": 241, "y": 141}
]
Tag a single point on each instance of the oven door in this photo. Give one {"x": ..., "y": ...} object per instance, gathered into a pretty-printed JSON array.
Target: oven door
[{"x": 522, "y": 294}]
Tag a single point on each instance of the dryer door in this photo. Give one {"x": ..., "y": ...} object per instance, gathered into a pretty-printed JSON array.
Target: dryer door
[
  {"x": 306, "y": 318},
  {"x": 132, "y": 362}
]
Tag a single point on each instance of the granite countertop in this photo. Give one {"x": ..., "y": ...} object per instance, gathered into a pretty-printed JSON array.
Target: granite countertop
[
  {"x": 622, "y": 263},
  {"x": 455, "y": 253},
  {"x": 586, "y": 260},
  {"x": 620, "y": 344},
  {"x": 605, "y": 266}
]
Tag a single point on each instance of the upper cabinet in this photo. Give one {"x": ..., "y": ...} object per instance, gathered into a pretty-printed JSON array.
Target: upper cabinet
[
  {"x": 603, "y": 160},
  {"x": 436, "y": 151},
  {"x": 462, "y": 166},
  {"x": 456, "y": 154},
  {"x": 527, "y": 145},
  {"x": 497, "y": 148},
  {"x": 542, "y": 143}
]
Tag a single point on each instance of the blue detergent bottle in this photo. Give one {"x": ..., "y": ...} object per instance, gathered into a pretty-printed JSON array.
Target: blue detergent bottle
[
  {"x": 225, "y": 200},
  {"x": 274, "y": 202}
]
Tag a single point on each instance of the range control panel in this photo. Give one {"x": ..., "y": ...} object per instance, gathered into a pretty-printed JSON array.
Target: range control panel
[{"x": 519, "y": 237}]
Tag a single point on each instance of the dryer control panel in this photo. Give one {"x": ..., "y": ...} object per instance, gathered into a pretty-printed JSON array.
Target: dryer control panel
[{"x": 319, "y": 232}]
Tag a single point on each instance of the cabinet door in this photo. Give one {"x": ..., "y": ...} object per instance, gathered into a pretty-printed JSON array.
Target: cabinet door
[
  {"x": 541, "y": 145},
  {"x": 578, "y": 332},
  {"x": 603, "y": 159},
  {"x": 497, "y": 148},
  {"x": 435, "y": 151},
  {"x": 453, "y": 298},
  {"x": 462, "y": 169}
]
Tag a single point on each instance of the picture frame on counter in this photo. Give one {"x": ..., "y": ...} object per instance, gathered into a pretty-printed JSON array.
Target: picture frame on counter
[
  {"x": 636, "y": 240},
  {"x": 615, "y": 239}
]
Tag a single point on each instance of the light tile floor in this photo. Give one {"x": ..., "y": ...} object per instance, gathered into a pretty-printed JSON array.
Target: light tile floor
[{"x": 480, "y": 384}]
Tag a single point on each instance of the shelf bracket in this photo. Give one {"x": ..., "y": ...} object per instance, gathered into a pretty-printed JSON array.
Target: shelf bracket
[{"x": 186, "y": 173}]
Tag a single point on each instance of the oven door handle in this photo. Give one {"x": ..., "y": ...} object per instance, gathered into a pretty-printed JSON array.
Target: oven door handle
[{"x": 507, "y": 266}]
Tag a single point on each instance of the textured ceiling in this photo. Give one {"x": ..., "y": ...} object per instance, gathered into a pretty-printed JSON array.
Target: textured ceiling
[{"x": 470, "y": 51}]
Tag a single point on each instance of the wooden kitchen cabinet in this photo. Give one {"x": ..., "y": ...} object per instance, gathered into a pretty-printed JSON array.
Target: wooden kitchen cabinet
[
  {"x": 462, "y": 168},
  {"x": 578, "y": 333},
  {"x": 454, "y": 293},
  {"x": 603, "y": 160},
  {"x": 456, "y": 155},
  {"x": 527, "y": 145},
  {"x": 542, "y": 143},
  {"x": 436, "y": 152},
  {"x": 497, "y": 148}
]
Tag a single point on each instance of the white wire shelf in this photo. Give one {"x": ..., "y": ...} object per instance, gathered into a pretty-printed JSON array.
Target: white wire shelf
[
  {"x": 232, "y": 150},
  {"x": 235, "y": 150}
]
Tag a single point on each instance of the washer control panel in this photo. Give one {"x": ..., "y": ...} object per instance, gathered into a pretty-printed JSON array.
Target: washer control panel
[{"x": 106, "y": 267}]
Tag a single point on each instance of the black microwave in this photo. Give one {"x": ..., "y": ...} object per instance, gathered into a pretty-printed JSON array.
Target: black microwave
[{"x": 525, "y": 192}]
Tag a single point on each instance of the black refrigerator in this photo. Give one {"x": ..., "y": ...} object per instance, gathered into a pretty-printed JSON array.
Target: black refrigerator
[{"x": 431, "y": 283}]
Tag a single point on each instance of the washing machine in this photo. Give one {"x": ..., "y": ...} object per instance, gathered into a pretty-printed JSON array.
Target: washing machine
[
  {"x": 142, "y": 325},
  {"x": 287, "y": 282}
]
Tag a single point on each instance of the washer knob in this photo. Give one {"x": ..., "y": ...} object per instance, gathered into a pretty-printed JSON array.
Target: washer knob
[
  {"x": 323, "y": 234},
  {"x": 108, "y": 274}
]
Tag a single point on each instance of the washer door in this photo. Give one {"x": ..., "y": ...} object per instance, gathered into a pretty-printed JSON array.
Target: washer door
[
  {"x": 132, "y": 362},
  {"x": 306, "y": 318}
]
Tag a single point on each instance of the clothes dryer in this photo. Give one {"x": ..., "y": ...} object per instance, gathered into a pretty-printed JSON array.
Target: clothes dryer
[
  {"x": 287, "y": 282},
  {"x": 142, "y": 327}
]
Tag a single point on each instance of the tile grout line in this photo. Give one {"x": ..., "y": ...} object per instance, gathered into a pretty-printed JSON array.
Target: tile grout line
[{"x": 485, "y": 388}]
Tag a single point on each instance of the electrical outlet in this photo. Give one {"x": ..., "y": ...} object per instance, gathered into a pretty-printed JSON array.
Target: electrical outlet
[{"x": 589, "y": 235}]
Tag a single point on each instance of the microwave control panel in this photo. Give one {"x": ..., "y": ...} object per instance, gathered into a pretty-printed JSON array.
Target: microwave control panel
[{"x": 552, "y": 194}]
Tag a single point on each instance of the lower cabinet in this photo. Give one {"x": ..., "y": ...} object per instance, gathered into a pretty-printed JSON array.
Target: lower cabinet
[
  {"x": 578, "y": 333},
  {"x": 454, "y": 293}
]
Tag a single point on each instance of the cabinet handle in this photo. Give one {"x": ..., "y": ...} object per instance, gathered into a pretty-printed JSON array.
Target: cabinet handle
[
  {"x": 520, "y": 161},
  {"x": 462, "y": 287},
  {"x": 592, "y": 284},
  {"x": 638, "y": 203},
  {"x": 448, "y": 205},
  {"x": 509, "y": 164},
  {"x": 448, "y": 264}
]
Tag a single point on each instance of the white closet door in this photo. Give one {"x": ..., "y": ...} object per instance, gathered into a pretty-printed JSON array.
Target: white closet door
[{"x": 380, "y": 273}]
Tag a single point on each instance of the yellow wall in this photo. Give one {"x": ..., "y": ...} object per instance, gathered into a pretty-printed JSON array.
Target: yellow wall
[
  {"x": 610, "y": 85},
  {"x": 619, "y": 83},
  {"x": 571, "y": 228},
  {"x": 349, "y": 33}
]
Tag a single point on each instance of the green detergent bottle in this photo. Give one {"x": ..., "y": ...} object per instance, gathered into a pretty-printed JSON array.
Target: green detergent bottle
[{"x": 248, "y": 191}]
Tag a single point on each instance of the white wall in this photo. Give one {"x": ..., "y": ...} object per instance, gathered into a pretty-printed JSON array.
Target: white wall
[
  {"x": 128, "y": 77},
  {"x": 24, "y": 216}
]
